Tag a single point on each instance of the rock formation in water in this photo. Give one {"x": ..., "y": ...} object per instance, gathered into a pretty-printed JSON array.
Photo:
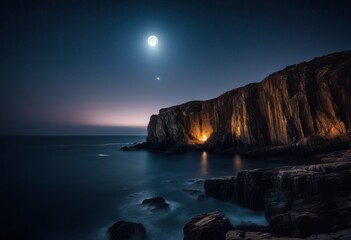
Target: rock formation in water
[
  {"x": 123, "y": 230},
  {"x": 304, "y": 100},
  {"x": 298, "y": 201},
  {"x": 156, "y": 203},
  {"x": 209, "y": 226}
]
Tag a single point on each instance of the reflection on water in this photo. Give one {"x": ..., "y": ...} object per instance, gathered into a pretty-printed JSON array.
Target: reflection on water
[
  {"x": 237, "y": 162},
  {"x": 87, "y": 183},
  {"x": 204, "y": 167}
]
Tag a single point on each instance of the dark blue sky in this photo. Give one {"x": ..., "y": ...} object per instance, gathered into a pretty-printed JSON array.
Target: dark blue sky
[{"x": 84, "y": 67}]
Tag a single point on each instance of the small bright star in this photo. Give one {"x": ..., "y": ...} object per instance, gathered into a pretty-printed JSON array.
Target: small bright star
[{"x": 158, "y": 78}]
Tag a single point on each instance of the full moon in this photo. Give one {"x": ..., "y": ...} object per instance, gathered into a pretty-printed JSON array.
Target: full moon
[{"x": 152, "y": 41}]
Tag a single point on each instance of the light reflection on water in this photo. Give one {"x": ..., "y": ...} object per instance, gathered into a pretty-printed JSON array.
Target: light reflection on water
[
  {"x": 204, "y": 163},
  {"x": 204, "y": 167},
  {"x": 91, "y": 184},
  {"x": 237, "y": 162}
]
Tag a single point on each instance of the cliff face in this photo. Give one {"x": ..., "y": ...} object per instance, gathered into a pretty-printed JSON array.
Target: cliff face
[{"x": 308, "y": 99}]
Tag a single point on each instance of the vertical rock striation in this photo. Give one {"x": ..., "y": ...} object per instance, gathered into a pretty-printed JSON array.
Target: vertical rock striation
[{"x": 304, "y": 100}]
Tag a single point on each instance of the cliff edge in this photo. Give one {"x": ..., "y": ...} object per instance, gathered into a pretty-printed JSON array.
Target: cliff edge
[{"x": 310, "y": 99}]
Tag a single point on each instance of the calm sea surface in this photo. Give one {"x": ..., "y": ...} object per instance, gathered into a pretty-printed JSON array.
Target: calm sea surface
[{"x": 76, "y": 187}]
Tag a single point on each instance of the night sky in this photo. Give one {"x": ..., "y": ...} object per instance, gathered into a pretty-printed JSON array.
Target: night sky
[{"x": 84, "y": 67}]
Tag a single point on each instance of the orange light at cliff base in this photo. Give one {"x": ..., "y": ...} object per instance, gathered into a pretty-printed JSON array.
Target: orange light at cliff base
[{"x": 203, "y": 138}]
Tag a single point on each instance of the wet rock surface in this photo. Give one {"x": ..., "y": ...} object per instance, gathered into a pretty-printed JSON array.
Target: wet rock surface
[
  {"x": 210, "y": 226},
  {"x": 123, "y": 230},
  {"x": 241, "y": 235},
  {"x": 298, "y": 201},
  {"x": 156, "y": 203},
  {"x": 135, "y": 146}
]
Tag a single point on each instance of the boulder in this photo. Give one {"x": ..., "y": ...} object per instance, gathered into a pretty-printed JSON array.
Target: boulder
[
  {"x": 156, "y": 203},
  {"x": 123, "y": 230},
  {"x": 209, "y": 226}
]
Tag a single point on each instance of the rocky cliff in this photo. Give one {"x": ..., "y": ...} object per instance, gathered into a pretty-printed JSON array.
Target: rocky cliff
[
  {"x": 308, "y": 99},
  {"x": 298, "y": 201}
]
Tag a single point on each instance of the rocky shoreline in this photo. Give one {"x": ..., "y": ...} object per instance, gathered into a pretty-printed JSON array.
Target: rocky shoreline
[
  {"x": 298, "y": 114},
  {"x": 298, "y": 201},
  {"x": 307, "y": 148}
]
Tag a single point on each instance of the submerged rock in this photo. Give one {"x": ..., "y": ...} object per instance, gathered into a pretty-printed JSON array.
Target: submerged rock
[
  {"x": 135, "y": 146},
  {"x": 156, "y": 203},
  {"x": 209, "y": 226},
  {"x": 193, "y": 192},
  {"x": 201, "y": 197},
  {"x": 123, "y": 230}
]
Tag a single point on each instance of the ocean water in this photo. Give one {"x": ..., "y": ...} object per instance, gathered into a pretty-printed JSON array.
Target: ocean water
[{"x": 76, "y": 187}]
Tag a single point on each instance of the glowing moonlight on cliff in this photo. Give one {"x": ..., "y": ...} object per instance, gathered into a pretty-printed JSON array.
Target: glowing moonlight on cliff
[{"x": 152, "y": 41}]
